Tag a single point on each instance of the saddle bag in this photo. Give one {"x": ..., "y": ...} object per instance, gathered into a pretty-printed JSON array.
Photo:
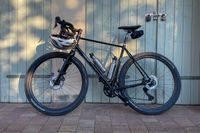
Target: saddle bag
[{"x": 137, "y": 34}]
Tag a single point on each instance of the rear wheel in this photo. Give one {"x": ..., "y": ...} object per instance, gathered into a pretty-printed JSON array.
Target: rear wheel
[
  {"x": 55, "y": 99},
  {"x": 158, "y": 94}
]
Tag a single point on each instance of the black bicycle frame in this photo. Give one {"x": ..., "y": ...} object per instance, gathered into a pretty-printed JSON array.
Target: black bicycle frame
[{"x": 102, "y": 77}]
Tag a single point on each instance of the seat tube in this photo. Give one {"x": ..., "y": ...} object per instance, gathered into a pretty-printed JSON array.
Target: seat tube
[{"x": 125, "y": 38}]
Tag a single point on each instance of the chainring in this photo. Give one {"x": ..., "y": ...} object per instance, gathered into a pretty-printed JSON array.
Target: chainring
[{"x": 109, "y": 92}]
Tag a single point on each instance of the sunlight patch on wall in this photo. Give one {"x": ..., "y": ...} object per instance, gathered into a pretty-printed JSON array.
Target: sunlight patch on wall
[
  {"x": 152, "y": 2},
  {"x": 72, "y": 4},
  {"x": 27, "y": 38},
  {"x": 7, "y": 42},
  {"x": 38, "y": 22},
  {"x": 14, "y": 85}
]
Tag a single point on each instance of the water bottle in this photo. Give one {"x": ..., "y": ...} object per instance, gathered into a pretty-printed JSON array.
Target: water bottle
[
  {"x": 98, "y": 63},
  {"x": 112, "y": 67}
]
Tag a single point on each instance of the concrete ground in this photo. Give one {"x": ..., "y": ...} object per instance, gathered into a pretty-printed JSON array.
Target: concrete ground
[{"x": 98, "y": 118}]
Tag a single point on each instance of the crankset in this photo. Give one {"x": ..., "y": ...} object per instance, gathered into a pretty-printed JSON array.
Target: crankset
[{"x": 109, "y": 92}]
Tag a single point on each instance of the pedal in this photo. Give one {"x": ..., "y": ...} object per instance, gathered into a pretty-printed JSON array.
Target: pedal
[{"x": 150, "y": 97}]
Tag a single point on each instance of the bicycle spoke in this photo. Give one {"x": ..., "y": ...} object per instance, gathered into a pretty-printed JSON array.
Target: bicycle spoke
[
  {"x": 62, "y": 95},
  {"x": 163, "y": 90}
]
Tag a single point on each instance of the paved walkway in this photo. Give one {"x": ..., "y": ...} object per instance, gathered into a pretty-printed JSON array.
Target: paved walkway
[{"x": 98, "y": 118}]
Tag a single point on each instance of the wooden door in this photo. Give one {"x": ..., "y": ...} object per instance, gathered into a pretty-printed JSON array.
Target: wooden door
[
  {"x": 178, "y": 39},
  {"x": 102, "y": 21}
]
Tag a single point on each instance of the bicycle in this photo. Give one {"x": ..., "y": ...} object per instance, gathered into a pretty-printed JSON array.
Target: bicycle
[{"x": 57, "y": 82}]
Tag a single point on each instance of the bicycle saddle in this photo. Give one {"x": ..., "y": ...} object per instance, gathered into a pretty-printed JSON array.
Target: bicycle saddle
[{"x": 129, "y": 28}]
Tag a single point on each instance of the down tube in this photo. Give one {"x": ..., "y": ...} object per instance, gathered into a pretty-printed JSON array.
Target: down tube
[{"x": 91, "y": 64}]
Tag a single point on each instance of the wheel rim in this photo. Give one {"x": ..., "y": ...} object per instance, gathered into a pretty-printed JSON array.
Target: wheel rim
[
  {"x": 55, "y": 97},
  {"x": 162, "y": 92}
]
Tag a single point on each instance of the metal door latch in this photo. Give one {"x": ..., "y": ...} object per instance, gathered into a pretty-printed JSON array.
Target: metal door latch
[{"x": 155, "y": 16}]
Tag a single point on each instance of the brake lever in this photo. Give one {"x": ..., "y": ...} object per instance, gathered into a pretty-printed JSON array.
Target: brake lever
[
  {"x": 63, "y": 24},
  {"x": 57, "y": 20}
]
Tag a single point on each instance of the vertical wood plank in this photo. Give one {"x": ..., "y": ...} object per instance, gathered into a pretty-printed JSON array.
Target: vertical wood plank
[
  {"x": 150, "y": 27},
  {"x": 89, "y": 45},
  {"x": 123, "y": 21},
  {"x": 140, "y": 47},
  {"x": 132, "y": 43},
  {"x": 197, "y": 10},
  {"x": 14, "y": 53},
  {"x": 47, "y": 25},
  {"x": 4, "y": 51},
  {"x": 187, "y": 40},
  {"x": 150, "y": 38},
  {"x": 169, "y": 39},
  {"x": 106, "y": 35},
  {"x": 97, "y": 47},
  {"x": 132, "y": 20},
  {"x": 194, "y": 67},
  {"x": 46, "y": 9},
  {"x": 178, "y": 38},
  {"x": 22, "y": 13},
  {"x": 140, "y": 20},
  {"x": 115, "y": 19},
  {"x": 161, "y": 29}
]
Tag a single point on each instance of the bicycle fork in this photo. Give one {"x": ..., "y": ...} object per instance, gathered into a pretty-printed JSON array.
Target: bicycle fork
[{"x": 64, "y": 67}]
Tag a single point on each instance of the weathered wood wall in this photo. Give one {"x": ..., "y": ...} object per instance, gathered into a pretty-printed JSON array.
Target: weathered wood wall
[{"x": 26, "y": 24}]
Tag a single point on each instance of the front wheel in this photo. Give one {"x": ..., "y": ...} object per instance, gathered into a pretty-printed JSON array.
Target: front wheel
[
  {"x": 157, "y": 95},
  {"x": 55, "y": 98}
]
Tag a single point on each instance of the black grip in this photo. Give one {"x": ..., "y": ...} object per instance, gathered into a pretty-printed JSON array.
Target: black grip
[{"x": 57, "y": 19}]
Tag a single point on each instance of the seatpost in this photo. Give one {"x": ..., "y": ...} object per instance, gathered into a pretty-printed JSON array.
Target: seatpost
[{"x": 126, "y": 38}]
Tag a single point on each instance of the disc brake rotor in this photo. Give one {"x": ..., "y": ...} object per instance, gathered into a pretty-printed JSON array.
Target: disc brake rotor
[
  {"x": 56, "y": 87},
  {"x": 153, "y": 83}
]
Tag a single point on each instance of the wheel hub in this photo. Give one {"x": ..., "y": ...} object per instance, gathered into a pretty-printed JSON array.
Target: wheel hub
[
  {"x": 153, "y": 83},
  {"x": 56, "y": 87}
]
